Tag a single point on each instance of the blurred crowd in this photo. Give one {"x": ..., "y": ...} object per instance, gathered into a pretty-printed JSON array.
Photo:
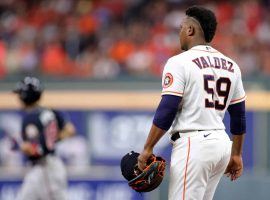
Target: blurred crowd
[{"x": 106, "y": 39}]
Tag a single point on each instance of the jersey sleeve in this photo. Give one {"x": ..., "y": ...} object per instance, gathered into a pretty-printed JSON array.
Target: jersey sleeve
[
  {"x": 173, "y": 79},
  {"x": 60, "y": 118},
  {"x": 239, "y": 94}
]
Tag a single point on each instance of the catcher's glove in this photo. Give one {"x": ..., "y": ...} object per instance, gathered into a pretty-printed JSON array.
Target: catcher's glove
[{"x": 146, "y": 180}]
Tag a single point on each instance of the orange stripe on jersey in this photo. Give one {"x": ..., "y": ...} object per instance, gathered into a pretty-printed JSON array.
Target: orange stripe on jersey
[
  {"x": 204, "y": 51},
  {"x": 185, "y": 176},
  {"x": 232, "y": 101},
  {"x": 172, "y": 92}
]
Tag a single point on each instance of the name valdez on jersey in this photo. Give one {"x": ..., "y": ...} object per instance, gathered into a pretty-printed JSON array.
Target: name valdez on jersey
[{"x": 216, "y": 62}]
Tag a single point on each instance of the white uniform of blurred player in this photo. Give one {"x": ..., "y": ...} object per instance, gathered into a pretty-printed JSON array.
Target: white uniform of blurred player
[
  {"x": 199, "y": 85},
  {"x": 41, "y": 128}
]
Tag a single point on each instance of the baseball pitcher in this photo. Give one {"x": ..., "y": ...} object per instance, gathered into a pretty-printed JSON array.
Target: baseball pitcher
[{"x": 199, "y": 85}]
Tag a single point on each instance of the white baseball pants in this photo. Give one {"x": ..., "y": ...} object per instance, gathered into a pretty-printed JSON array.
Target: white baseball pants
[
  {"x": 198, "y": 161},
  {"x": 46, "y": 181}
]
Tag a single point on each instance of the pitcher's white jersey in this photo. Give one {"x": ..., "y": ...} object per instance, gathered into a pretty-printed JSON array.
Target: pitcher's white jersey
[{"x": 208, "y": 82}]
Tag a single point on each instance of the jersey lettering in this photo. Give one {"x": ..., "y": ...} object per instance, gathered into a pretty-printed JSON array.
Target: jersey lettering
[
  {"x": 230, "y": 69},
  {"x": 215, "y": 62},
  {"x": 209, "y": 103},
  {"x": 197, "y": 62},
  {"x": 223, "y": 86}
]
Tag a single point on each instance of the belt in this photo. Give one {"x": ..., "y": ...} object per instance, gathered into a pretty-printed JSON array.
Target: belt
[
  {"x": 40, "y": 160},
  {"x": 178, "y": 135},
  {"x": 175, "y": 136}
]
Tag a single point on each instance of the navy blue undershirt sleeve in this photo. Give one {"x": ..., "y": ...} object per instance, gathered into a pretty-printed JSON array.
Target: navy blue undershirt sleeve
[
  {"x": 237, "y": 118},
  {"x": 166, "y": 111}
]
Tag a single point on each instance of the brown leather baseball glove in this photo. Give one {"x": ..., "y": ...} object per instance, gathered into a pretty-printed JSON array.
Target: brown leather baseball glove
[{"x": 146, "y": 180}]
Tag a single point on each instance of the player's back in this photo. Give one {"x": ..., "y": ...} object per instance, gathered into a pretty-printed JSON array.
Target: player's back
[{"x": 209, "y": 82}]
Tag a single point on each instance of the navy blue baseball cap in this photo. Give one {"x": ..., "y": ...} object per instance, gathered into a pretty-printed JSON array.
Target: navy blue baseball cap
[
  {"x": 128, "y": 163},
  {"x": 29, "y": 90}
]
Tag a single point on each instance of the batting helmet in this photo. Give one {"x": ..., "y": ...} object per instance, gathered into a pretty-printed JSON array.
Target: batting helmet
[
  {"x": 29, "y": 90},
  {"x": 146, "y": 180}
]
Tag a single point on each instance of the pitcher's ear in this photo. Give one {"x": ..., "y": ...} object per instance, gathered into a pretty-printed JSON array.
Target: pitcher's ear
[{"x": 190, "y": 30}]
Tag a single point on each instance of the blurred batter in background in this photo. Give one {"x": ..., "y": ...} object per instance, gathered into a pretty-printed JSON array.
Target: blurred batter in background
[{"x": 41, "y": 129}]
